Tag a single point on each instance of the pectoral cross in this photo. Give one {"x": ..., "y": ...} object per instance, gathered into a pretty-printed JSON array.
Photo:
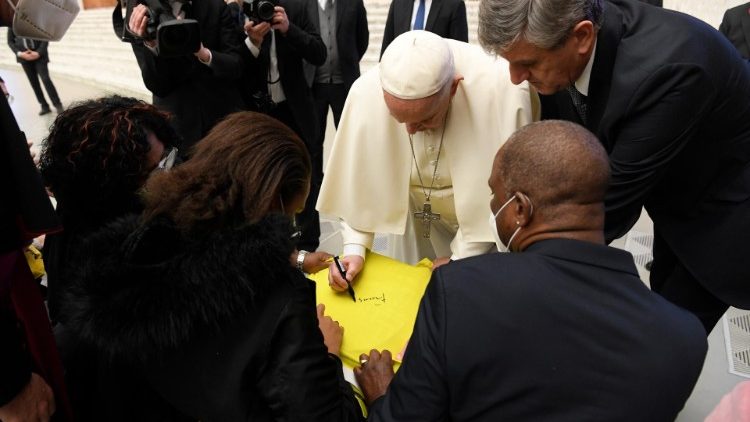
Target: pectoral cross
[{"x": 427, "y": 217}]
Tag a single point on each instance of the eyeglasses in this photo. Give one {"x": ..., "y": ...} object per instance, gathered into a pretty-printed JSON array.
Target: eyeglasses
[{"x": 168, "y": 159}]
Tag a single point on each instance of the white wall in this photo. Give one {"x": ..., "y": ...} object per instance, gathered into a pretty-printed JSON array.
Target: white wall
[{"x": 710, "y": 11}]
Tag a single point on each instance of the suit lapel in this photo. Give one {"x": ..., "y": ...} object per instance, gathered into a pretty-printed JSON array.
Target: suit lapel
[
  {"x": 340, "y": 6},
  {"x": 434, "y": 11},
  {"x": 315, "y": 16},
  {"x": 745, "y": 21},
  {"x": 608, "y": 40}
]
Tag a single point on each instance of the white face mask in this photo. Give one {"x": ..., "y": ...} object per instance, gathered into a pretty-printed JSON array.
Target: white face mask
[
  {"x": 501, "y": 246},
  {"x": 43, "y": 20}
]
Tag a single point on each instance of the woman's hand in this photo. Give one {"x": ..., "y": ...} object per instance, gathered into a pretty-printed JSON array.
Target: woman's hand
[
  {"x": 36, "y": 402},
  {"x": 315, "y": 261},
  {"x": 333, "y": 333}
]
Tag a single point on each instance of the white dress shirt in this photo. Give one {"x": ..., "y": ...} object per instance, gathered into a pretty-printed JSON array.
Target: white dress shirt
[{"x": 275, "y": 88}]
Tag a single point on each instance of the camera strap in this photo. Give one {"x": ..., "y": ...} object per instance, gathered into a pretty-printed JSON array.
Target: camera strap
[
  {"x": 118, "y": 23},
  {"x": 272, "y": 47}
]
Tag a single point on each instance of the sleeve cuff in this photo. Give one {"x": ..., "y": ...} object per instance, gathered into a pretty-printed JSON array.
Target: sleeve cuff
[
  {"x": 355, "y": 249},
  {"x": 253, "y": 49},
  {"x": 354, "y": 237}
]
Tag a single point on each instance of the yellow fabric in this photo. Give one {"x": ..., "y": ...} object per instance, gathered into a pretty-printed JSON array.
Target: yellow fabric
[
  {"x": 388, "y": 294},
  {"x": 34, "y": 259}
]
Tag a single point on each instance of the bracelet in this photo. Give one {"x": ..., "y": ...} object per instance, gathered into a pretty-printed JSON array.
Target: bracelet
[{"x": 301, "y": 260}]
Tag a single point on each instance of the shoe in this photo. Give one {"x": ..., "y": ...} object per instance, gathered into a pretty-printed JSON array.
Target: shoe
[
  {"x": 59, "y": 108},
  {"x": 45, "y": 110}
]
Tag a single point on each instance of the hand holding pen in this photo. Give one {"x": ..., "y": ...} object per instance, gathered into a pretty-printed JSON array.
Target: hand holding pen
[
  {"x": 352, "y": 264},
  {"x": 342, "y": 272}
]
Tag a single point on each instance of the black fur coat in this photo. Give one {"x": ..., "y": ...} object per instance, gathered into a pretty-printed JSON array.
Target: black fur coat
[{"x": 222, "y": 328}]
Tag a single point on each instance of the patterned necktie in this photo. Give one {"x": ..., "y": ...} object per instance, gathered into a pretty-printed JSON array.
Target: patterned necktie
[
  {"x": 579, "y": 101},
  {"x": 329, "y": 4},
  {"x": 419, "y": 20}
]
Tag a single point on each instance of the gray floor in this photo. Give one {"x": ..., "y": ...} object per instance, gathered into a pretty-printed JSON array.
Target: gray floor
[{"x": 715, "y": 381}]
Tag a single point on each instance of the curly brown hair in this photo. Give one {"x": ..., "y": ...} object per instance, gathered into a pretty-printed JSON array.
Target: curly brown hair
[
  {"x": 94, "y": 158},
  {"x": 247, "y": 166}
]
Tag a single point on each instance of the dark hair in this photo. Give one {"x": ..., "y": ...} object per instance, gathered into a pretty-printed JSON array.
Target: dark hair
[
  {"x": 247, "y": 166},
  {"x": 94, "y": 159}
]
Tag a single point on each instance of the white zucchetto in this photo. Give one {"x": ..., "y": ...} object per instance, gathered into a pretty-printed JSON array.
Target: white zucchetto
[{"x": 416, "y": 65}]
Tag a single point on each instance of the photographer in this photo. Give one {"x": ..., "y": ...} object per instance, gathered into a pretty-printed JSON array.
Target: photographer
[
  {"x": 198, "y": 88},
  {"x": 276, "y": 45}
]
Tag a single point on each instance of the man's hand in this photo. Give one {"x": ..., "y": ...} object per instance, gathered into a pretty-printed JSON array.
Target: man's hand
[
  {"x": 315, "y": 261},
  {"x": 256, "y": 32},
  {"x": 139, "y": 22},
  {"x": 203, "y": 54},
  {"x": 375, "y": 374},
  {"x": 439, "y": 262},
  {"x": 35, "y": 402},
  {"x": 280, "y": 22},
  {"x": 26, "y": 56},
  {"x": 353, "y": 264},
  {"x": 333, "y": 333}
]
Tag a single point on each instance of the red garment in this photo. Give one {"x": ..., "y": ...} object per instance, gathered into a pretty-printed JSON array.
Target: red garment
[{"x": 26, "y": 303}]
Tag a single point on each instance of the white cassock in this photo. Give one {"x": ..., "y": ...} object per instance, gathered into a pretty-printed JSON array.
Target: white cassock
[{"x": 371, "y": 181}]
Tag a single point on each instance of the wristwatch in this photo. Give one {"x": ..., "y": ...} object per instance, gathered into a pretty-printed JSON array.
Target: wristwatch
[{"x": 301, "y": 260}]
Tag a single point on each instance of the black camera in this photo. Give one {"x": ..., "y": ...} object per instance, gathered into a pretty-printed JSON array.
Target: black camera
[
  {"x": 262, "y": 102},
  {"x": 259, "y": 10},
  {"x": 174, "y": 37}
]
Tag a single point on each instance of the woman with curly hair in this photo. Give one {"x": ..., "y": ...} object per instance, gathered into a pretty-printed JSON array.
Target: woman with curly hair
[
  {"x": 95, "y": 160},
  {"x": 193, "y": 308}
]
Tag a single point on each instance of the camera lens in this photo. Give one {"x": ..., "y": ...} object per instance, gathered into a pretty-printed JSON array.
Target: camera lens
[{"x": 265, "y": 10}]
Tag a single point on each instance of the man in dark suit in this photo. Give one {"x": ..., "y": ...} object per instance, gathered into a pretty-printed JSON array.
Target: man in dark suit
[
  {"x": 276, "y": 83},
  {"x": 736, "y": 27},
  {"x": 673, "y": 119},
  {"x": 562, "y": 330},
  {"x": 343, "y": 29},
  {"x": 201, "y": 88},
  {"x": 33, "y": 57},
  {"x": 446, "y": 18},
  {"x": 659, "y": 3}
]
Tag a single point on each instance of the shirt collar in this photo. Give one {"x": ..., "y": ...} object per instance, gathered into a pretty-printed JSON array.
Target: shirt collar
[{"x": 582, "y": 83}]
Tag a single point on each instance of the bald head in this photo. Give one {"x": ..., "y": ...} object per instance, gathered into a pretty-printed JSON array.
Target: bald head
[{"x": 554, "y": 162}]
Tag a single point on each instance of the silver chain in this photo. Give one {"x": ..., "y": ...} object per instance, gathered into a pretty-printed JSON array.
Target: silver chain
[{"x": 428, "y": 194}]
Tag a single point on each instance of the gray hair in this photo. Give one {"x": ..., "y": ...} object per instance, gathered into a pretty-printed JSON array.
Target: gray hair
[{"x": 543, "y": 23}]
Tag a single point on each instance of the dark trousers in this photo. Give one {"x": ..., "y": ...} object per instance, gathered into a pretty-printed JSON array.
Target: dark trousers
[
  {"x": 325, "y": 95},
  {"x": 308, "y": 220},
  {"x": 38, "y": 70},
  {"x": 674, "y": 282}
]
